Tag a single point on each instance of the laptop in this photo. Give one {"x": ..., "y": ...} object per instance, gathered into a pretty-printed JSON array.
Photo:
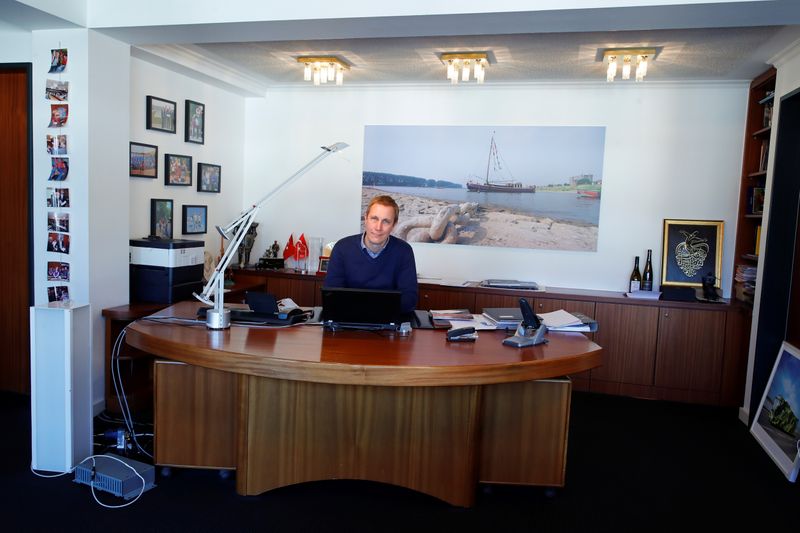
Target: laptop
[{"x": 361, "y": 309}]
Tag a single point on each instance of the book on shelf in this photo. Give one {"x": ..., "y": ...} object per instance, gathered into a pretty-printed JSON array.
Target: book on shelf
[
  {"x": 764, "y": 157},
  {"x": 758, "y": 239},
  {"x": 755, "y": 200}
]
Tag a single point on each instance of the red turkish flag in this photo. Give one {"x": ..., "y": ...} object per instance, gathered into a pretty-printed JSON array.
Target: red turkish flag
[
  {"x": 302, "y": 248},
  {"x": 290, "y": 249}
]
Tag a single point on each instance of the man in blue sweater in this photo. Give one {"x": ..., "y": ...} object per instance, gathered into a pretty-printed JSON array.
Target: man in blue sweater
[{"x": 376, "y": 259}]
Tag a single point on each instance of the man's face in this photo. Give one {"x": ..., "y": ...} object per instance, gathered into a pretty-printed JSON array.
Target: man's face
[{"x": 379, "y": 223}]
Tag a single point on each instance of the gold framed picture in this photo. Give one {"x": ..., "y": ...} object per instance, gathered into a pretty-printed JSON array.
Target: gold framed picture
[{"x": 692, "y": 251}]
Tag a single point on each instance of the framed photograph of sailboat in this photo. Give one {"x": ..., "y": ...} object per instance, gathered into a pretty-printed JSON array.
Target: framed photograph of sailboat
[{"x": 535, "y": 187}]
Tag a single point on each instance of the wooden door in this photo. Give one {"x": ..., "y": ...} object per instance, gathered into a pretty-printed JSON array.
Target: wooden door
[
  {"x": 15, "y": 219},
  {"x": 445, "y": 299},
  {"x": 581, "y": 380}
]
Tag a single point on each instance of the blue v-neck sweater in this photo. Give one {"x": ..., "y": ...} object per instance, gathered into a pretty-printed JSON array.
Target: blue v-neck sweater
[{"x": 350, "y": 266}]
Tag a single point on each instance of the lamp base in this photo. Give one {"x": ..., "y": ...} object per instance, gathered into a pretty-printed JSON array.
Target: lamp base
[{"x": 218, "y": 319}]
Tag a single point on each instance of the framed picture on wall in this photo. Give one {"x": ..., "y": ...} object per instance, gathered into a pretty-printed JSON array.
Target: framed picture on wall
[
  {"x": 692, "y": 250},
  {"x": 195, "y": 219},
  {"x": 775, "y": 425},
  {"x": 177, "y": 169},
  {"x": 209, "y": 177},
  {"x": 161, "y": 218},
  {"x": 143, "y": 160},
  {"x": 195, "y": 127},
  {"x": 161, "y": 114}
]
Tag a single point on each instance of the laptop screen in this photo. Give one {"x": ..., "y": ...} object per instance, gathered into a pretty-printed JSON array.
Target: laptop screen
[{"x": 367, "y": 307}]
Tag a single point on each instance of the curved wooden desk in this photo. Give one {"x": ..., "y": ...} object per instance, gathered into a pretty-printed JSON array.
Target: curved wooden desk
[{"x": 300, "y": 404}]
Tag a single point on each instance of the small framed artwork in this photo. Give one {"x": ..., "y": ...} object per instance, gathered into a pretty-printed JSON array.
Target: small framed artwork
[
  {"x": 177, "y": 169},
  {"x": 161, "y": 114},
  {"x": 161, "y": 218},
  {"x": 195, "y": 219},
  {"x": 143, "y": 160},
  {"x": 323, "y": 264},
  {"x": 209, "y": 177},
  {"x": 195, "y": 129},
  {"x": 775, "y": 425},
  {"x": 692, "y": 250},
  {"x": 58, "y": 59}
]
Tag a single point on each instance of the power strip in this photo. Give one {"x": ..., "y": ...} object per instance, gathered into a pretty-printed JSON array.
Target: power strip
[{"x": 109, "y": 474}]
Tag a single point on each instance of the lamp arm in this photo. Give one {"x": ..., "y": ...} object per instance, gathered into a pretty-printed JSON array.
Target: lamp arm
[{"x": 215, "y": 283}]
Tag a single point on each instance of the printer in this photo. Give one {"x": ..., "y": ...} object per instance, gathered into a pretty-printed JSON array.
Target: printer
[{"x": 165, "y": 270}]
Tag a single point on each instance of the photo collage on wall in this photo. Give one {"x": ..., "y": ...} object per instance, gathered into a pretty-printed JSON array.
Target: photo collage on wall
[
  {"x": 161, "y": 116},
  {"x": 56, "y": 93}
]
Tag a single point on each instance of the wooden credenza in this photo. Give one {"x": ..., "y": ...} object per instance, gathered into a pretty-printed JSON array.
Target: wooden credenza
[{"x": 679, "y": 351}]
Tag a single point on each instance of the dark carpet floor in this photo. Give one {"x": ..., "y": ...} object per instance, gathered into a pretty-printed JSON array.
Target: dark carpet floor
[{"x": 633, "y": 465}]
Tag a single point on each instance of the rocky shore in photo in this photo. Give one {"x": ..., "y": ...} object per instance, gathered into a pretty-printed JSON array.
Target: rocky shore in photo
[{"x": 480, "y": 225}]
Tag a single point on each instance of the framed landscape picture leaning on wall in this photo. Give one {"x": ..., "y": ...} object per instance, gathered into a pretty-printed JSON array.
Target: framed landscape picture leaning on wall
[
  {"x": 209, "y": 177},
  {"x": 692, "y": 250},
  {"x": 775, "y": 424},
  {"x": 195, "y": 128},
  {"x": 161, "y": 114},
  {"x": 161, "y": 218},
  {"x": 195, "y": 219},
  {"x": 177, "y": 169},
  {"x": 143, "y": 160}
]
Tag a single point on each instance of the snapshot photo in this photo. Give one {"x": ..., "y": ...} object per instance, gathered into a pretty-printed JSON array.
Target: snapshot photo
[
  {"x": 59, "y": 113},
  {"x": 58, "y": 242},
  {"x": 177, "y": 169},
  {"x": 57, "y": 197},
  {"x": 161, "y": 218},
  {"x": 58, "y": 293},
  {"x": 161, "y": 114},
  {"x": 195, "y": 128},
  {"x": 57, "y": 271},
  {"x": 59, "y": 168},
  {"x": 210, "y": 177},
  {"x": 143, "y": 160},
  {"x": 775, "y": 426},
  {"x": 56, "y": 90},
  {"x": 57, "y": 144},
  {"x": 195, "y": 219},
  {"x": 57, "y": 221},
  {"x": 541, "y": 187},
  {"x": 58, "y": 60}
]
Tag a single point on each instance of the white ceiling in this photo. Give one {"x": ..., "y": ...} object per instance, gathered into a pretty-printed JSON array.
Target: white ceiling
[{"x": 715, "y": 41}]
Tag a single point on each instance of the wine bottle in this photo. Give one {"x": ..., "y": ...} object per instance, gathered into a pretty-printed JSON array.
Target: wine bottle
[
  {"x": 635, "y": 282},
  {"x": 647, "y": 275}
]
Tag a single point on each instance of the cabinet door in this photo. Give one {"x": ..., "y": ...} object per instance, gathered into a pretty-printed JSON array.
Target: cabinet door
[
  {"x": 628, "y": 336},
  {"x": 484, "y": 300},
  {"x": 445, "y": 299},
  {"x": 690, "y": 346},
  {"x": 299, "y": 290}
]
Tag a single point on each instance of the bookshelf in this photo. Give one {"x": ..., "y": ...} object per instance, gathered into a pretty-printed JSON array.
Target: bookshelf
[{"x": 755, "y": 160}]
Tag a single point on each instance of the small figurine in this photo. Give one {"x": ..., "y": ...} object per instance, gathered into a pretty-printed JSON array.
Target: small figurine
[
  {"x": 247, "y": 245},
  {"x": 709, "y": 291},
  {"x": 275, "y": 248}
]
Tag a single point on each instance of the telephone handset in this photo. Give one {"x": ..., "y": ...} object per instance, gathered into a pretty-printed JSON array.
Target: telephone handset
[
  {"x": 522, "y": 337},
  {"x": 529, "y": 318}
]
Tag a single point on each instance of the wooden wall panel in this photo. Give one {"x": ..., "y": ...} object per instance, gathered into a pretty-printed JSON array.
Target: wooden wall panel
[{"x": 15, "y": 281}]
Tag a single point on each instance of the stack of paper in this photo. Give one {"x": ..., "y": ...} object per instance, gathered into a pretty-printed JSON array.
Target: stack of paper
[
  {"x": 441, "y": 318},
  {"x": 563, "y": 321}
]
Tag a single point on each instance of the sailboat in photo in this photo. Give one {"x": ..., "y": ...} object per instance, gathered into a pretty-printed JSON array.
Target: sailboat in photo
[{"x": 488, "y": 185}]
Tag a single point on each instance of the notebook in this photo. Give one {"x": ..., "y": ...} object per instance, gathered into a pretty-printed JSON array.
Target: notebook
[{"x": 361, "y": 308}]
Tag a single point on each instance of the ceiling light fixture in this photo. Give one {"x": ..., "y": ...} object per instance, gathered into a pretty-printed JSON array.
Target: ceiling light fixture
[
  {"x": 322, "y": 69},
  {"x": 461, "y": 63},
  {"x": 628, "y": 55}
]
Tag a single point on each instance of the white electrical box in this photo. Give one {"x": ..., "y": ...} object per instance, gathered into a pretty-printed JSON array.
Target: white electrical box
[{"x": 61, "y": 386}]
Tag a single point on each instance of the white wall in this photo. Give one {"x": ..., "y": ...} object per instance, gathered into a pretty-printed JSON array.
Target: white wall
[
  {"x": 224, "y": 145},
  {"x": 672, "y": 151},
  {"x": 15, "y": 44},
  {"x": 97, "y": 72}
]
